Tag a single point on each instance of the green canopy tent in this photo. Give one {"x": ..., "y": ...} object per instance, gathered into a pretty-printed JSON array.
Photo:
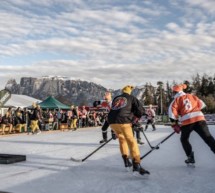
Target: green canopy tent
[{"x": 52, "y": 103}]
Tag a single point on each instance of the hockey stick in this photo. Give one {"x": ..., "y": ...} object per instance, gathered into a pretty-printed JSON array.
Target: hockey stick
[
  {"x": 152, "y": 147},
  {"x": 82, "y": 160},
  {"x": 157, "y": 145}
]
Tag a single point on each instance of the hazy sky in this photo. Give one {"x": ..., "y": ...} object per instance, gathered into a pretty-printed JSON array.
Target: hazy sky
[{"x": 112, "y": 43}]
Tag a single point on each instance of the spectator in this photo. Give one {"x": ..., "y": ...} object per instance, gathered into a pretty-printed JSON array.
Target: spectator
[
  {"x": 84, "y": 117},
  {"x": 48, "y": 119},
  {"x": 19, "y": 120},
  {"x": 63, "y": 120},
  {"x": 7, "y": 121},
  {"x": 35, "y": 116},
  {"x": 74, "y": 118},
  {"x": 55, "y": 120}
]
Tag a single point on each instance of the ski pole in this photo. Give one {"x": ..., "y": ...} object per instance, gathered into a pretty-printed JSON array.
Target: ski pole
[
  {"x": 82, "y": 160},
  {"x": 157, "y": 145},
  {"x": 152, "y": 147}
]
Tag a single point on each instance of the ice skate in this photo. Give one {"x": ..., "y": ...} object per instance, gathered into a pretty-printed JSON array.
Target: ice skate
[
  {"x": 103, "y": 141},
  {"x": 138, "y": 170},
  {"x": 140, "y": 142},
  {"x": 127, "y": 162},
  {"x": 190, "y": 161},
  {"x": 146, "y": 127}
]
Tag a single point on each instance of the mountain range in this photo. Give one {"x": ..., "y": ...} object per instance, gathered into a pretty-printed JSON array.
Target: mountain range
[{"x": 66, "y": 90}]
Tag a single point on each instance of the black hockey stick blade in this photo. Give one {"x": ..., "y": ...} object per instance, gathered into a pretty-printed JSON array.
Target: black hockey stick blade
[
  {"x": 82, "y": 160},
  {"x": 76, "y": 160},
  {"x": 157, "y": 145},
  {"x": 152, "y": 147}
]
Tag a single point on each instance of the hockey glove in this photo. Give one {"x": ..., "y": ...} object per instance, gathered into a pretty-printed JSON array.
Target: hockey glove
[
  {"x": 176, "y": 128},
  {"x": 140, "y": 129}
]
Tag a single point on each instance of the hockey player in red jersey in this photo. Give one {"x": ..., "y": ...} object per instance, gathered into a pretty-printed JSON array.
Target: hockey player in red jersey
[
  {"x": 150, "y": 114},
  {"x": 107, "y": 105}
]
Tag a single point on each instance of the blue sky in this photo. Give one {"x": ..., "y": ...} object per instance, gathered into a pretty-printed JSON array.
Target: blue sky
[{"x": 112, "y": 43}]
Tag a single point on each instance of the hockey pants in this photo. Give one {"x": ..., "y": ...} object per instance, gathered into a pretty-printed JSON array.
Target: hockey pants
[
  {"x": 201, "y": 128},
  {"x": 104, "y": 130},
  {"x": 152, "y": 122},
  {"x": 127, "y": 142}
]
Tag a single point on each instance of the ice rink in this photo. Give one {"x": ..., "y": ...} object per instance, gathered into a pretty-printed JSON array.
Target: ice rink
[{"x": 48, "y": 168}]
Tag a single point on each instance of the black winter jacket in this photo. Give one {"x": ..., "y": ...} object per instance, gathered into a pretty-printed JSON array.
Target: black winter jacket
[{"x": 124, "y": 108}]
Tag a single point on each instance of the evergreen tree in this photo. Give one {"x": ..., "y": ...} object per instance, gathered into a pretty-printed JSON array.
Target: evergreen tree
[
  {"x": 197, "y": 84},
  {"x": 210, "y": 104},
  {"x": 203, "y": 91},
  {"x": 149, "y": 94},
  {"x": 160, "y": 94},
  {"x": 169, "y": 94},
  {"x": 189, "y": 88},
  {"x": 211, "y": 86}
]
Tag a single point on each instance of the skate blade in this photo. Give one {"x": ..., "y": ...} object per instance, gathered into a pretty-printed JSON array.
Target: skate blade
[
  {"x": 140, "y": 144},
  {"x": 76, "y": 160},
  {"x": 137, "y": 174},
  {"x": 190, "y": 165}
]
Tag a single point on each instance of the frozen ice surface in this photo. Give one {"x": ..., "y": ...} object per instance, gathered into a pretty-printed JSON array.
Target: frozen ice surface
[{"x": 48, "y": 168}]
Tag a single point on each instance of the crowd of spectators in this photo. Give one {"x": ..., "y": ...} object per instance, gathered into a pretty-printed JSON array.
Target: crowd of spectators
[{"x": 36, "y": 119}]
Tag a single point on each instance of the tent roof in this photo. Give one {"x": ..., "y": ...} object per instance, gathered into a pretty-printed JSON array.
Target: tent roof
[
  {"x": 52, "y": 103},
  {"x": 20, "y": 101}
]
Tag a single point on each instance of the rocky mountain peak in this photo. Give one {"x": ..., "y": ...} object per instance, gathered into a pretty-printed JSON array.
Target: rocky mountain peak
[{"x": 65, "y": 89}]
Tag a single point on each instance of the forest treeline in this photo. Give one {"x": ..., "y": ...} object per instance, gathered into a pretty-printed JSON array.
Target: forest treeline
[{"x": 161, "y": 95}]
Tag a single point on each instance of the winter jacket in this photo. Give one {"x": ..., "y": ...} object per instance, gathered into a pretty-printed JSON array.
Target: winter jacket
[{"x": 124, "y": 108}]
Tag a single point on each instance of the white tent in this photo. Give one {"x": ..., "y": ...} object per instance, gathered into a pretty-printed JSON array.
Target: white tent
[{"x": 19, "y": 101}]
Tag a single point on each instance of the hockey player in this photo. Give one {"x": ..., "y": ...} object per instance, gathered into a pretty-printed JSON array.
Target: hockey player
[
  {"x": 107, "y": 105},
  {"x": 150, "y": 114},
  {"x": 186, "y": 108},
  {"x": 124, "y": 108}
]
